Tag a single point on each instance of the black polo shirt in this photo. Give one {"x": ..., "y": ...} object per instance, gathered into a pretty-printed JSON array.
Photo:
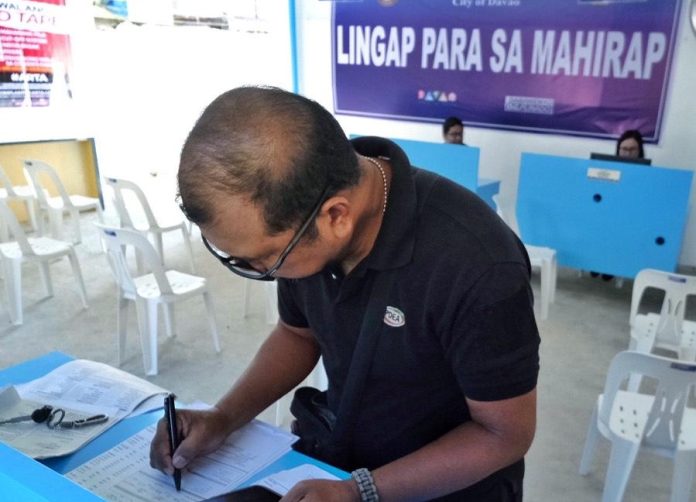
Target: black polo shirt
[{"x": 459, "y": 320}]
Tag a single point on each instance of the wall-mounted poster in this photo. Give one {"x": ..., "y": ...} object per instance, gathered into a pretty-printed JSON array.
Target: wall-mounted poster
[
  {"x": 34, "y": 53},
  {"x": 582, "y": 67}
]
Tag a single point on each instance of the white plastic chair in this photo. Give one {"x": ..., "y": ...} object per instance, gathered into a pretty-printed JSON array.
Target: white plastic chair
[
  {"x": 38, "y": 172},
  {"x": 667, "y": 328},
  {"x": 270, "y": 300},
  {"x": 660, "y": 423},
  {"x": 130, "y": 216},
  {"x": 159, "y": 287},
  {"x": 42, "y": 250},
  {"x": 20, "y": 193},
  {"x": 543, "y": 259}
]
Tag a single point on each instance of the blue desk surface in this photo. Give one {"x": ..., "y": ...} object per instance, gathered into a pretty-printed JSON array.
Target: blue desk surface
[{"x": 23, "y": 478}]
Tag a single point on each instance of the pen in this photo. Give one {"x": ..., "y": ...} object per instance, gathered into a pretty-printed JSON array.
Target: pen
[{"x": 170, "y": 415}]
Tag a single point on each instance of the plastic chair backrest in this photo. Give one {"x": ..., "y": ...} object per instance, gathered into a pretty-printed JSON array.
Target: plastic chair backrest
[
  {"x": 121, "y": 188},
  {"x": 35, "y": 170},
  {"x": 6, "y": 183},
  {"x": 677, "y": 288},
  {"x": 674, "y": 379},
  {"x": 8, "y": 216},
  {"x": 117, "y": 240}
]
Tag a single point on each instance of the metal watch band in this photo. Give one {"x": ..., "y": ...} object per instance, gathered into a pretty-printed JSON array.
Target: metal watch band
[{"x": 366, "y": 485}]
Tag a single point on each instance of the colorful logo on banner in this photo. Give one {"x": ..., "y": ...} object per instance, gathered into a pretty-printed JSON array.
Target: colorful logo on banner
[
  {"x": 583, "y": 67},
  {"x": 34, "y": 53}
]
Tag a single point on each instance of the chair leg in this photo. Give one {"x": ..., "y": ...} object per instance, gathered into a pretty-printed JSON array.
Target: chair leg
[
  {"x": 683, "y": 477},
  {"x": 13, "y": 287},
  {"x": 189, "y": 248},
  {"x": 169, "y": 320},
  {"x": 147, "y": 319},
  {"x": 590, "y": 443},
  {"x": 121, "y": 327},
  {"x": 545, "y": 280},
  {"x": 554, "y": 279},
  {"x": 4, "y": 232},
  {"x": 271, "y": 302},
  {"x": 55, "y": 220},
  {"x": 46, "y": 277},
  {"x": 77, "y": 234},
  {"x": 623, "y": 456},
  {"x": 78, "y": 275},
  {"x": 247, "y": 296},
  {"x": 159, "y": 246},
  {"x": 211, "y": 320},
  {"x": 31, "y": 211}
]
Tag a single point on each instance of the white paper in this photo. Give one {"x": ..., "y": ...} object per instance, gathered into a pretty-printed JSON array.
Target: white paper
[
  {"x": 124, "y": 473},
  {"x": 82, "y": 388},
  {"x": 281, "y": 482},
  {"x": 36, "y": 439}
]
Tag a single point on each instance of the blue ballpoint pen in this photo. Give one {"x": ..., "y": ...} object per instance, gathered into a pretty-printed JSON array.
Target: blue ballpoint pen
[{"x": 170, "y": 415}]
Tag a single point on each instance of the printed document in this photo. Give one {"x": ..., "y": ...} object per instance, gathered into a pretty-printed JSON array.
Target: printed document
[
  {"x": 82, "y": 388},
  {"x": 124, "y": 473}
]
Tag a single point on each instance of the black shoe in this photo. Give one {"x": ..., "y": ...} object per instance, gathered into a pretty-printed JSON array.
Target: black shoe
[
  {"x": 594, "y": 274},
  {"x": 607, "y": 277}
]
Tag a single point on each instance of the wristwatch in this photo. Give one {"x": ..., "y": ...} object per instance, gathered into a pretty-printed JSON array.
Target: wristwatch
[{"x": 366, "y": 485}]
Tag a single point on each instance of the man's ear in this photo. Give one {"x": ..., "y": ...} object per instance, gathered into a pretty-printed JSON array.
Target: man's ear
[{"x": 337, "y": 217}]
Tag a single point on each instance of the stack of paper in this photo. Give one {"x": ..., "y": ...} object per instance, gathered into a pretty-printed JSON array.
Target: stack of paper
[
  {"x": 124, "y": 473},
  {"x": 82, "y": 388}
]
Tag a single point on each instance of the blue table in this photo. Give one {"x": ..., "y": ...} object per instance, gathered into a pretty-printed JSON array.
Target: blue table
[{"x": 23, "y": 478}]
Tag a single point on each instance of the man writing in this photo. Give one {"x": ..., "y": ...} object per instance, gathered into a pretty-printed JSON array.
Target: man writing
[{"x": 448, "y": 409}]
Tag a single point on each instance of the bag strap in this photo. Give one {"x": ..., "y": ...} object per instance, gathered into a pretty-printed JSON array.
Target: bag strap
[{"x": 363, "y": 355}]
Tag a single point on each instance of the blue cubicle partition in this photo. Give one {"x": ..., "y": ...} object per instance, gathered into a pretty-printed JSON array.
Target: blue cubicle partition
[
  {"x": 456, "y": 162},
  {"x": 610, "y": 217}
]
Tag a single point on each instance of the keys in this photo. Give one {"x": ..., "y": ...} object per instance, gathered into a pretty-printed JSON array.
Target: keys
[
  {"x": 76, "y": 424},
  {"x": 54, "y": 419},
  {"x": 39, "y": 415}
]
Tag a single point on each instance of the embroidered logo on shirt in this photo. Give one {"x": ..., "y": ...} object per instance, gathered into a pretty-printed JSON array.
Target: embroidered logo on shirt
[{"x": 394, "y": 317}]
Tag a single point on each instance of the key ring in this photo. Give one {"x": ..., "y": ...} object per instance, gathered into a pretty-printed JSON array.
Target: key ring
[{"x": 55, "y": 418}]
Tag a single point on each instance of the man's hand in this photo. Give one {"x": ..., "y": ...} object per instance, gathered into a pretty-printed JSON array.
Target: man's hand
[
  {"x": 202, "y": 432},
  {"x": 322, "y": 490}
]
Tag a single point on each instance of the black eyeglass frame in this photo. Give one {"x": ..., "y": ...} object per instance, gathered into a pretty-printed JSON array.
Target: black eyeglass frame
[{"x": 244, "y": 269}]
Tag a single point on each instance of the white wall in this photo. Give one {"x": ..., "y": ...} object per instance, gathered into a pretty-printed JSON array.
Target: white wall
[{"x": 500, "y": 150}]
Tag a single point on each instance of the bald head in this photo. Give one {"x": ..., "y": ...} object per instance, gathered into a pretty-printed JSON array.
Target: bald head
[{"x": 278, "y": 149}]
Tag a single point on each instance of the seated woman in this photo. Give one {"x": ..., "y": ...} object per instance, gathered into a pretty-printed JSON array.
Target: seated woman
[{"x": 629, "y": 144}]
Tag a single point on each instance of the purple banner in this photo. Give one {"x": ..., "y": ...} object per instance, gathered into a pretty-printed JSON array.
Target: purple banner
[{"x": 582, "y": 67}]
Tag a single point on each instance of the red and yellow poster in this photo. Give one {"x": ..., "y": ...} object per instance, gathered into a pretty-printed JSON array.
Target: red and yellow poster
[{"x": 34, "y": 53}]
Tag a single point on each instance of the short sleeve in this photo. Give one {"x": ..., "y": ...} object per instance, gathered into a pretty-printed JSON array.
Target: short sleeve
[
  {"x": 288, "y": 309},
  {"x": 493, "y": 341}
]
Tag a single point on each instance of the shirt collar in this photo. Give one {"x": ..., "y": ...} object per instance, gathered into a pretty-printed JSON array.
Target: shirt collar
[{"x": 395, "y": 241}]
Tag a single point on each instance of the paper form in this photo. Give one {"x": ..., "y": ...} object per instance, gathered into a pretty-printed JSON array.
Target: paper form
[
  {"x": 124, "y": 473},
  {"x": 82, "y": 388},
  {"x": 281, "y": 482}
]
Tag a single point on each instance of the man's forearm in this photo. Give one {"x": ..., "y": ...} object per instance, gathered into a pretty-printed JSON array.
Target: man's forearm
[
  {"x": 460, "y": 458},
  {"x": 283, "y": 361}
]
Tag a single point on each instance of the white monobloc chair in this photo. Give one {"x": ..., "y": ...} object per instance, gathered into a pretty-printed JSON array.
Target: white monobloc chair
[
  {"x": 270, "y": 299},
  {"x": 19, "y": 193},
  {"x": 541, "y": 258},
  {"x": 667, "y": 327},
  {"x": 661, "y": 423},
  {"x": 43, "y": 178},
  {"x": 149, "y": 291},
  {"x": 42, "y": 250},
  {"x": 142, "y": 219}
]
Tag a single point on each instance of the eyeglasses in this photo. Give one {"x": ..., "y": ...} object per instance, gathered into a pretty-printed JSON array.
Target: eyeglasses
[{"x": 245, "y": 269}]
